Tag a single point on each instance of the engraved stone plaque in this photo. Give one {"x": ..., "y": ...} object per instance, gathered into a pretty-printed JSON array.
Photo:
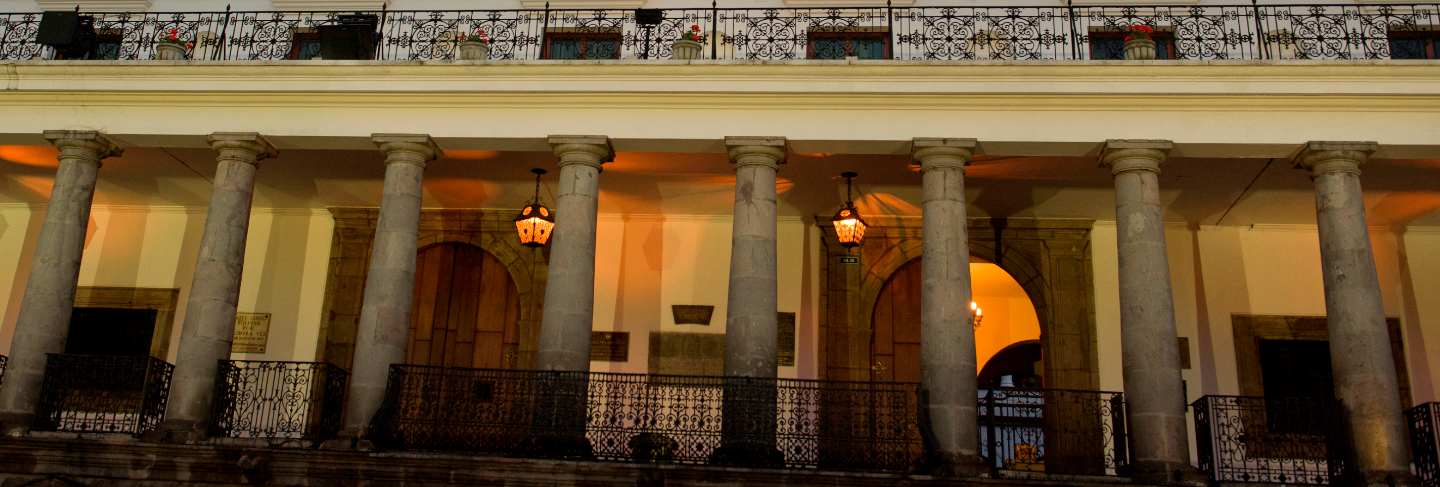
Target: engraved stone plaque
[
  {"x": 692, "y": 314},
  {"x": 252, "y": 331},
  {"x": 687, "y": 353},
  {"x": 610, "y": 346},
  {"x": 785, "y": 340}
]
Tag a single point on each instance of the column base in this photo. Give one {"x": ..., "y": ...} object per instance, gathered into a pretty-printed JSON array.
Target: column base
[
  {"x": 1166, "y": 473},
  {"x": 953, "y": 465},
  {"x": 1400, "y": 478},
  {"x": 180, "y": 431},
  {"x": 16, "y": 425}
]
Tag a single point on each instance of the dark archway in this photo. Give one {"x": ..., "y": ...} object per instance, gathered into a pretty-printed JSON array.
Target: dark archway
[{"x": 1019, "y": 361}]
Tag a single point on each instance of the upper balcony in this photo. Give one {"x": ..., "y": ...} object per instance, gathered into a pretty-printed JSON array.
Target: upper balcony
[{"x": 928, "y": 33}]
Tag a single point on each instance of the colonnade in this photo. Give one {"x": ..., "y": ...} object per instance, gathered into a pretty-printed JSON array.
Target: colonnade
[{"x": 1365, "y": 377}]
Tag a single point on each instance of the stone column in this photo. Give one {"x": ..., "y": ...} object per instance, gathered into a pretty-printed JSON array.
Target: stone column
[
  {"x": 1360, "y": 354},
  {"x": 1150, "y": 353},
  {"x": 570, "y": 285},
  {"x": 50, "y": 293},
  {"x": 215, "y": 290},
  {"x": 389, "y": 286},
  {"x": 751, "y": 313},
  {"x": 947, "y": 332}
]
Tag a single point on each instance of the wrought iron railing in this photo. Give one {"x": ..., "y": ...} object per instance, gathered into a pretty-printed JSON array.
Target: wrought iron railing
[
  {"x": 1424, "y": 423},
  {"x": 1054, "y": 431},
  {"x": 959, "y": 33},
  {"x": 280, "y": 400},
  {"x": 651, "y": 418},
  {"x": 103, "y": 393},
  {"x": 1295, "y": 441},
  {"x": 4, "y": 361}
]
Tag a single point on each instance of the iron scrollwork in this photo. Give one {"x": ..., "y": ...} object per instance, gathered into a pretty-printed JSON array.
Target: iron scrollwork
[
  {"x": 103, "y": 393},
  {"x": 282, "y": 400}
]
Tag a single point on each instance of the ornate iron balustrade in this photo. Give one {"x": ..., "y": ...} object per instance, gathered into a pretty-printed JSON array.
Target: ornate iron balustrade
[
  {"x": 1424, "y": 423},
  {"x": 1054, "y": 431},
  {"x": 960, "y": 33},
  {"x": 1296, "y": 441},
  {"x": 651, "y": 418},
  {"x": 3, "y": 362},
  {"x": 280, "y": 400},
  {"x": 103, "y": 393}
]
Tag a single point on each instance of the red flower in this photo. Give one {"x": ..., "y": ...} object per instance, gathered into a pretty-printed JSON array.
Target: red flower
[
  {"x": 695, "y": 27},
  {"x": 1141, "y": 28}
]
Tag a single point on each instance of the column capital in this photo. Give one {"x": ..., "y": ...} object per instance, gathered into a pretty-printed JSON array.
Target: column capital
[
  {"x": 86, "y": 144},
  {"x": 250, "y": 146},
  {"x": 1324, "y": 157},
  {"x": 413, "y": 149},
  {"x": 590, "y": 150},
  {"x": 757, "y": 150},
  {"x": 942, "y": 153},
  {"x": 1124, "y": 155}
]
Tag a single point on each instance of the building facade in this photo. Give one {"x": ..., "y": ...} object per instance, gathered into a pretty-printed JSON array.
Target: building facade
[{"x": 1170, "y": 243}]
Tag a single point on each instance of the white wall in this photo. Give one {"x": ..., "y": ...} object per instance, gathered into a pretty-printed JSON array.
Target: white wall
[{"x": 286, "y": 258}]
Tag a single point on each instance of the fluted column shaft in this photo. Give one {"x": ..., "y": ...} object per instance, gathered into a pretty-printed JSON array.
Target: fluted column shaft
[
  {"x": 1150, "y": 354},
  {"x": 570, "y": 286},
  {"x": 751, "y": 311},
  {"x": 389, "y": 286},
  {"x": 1360, "y": 355},
  {"x": 54, "y": 270},
  {"x": 209, "y": 324},
  {"x": 947, "y": 333}
]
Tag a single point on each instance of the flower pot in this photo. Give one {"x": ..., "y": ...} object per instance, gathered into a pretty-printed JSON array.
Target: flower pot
[
  {"x": 1140, "y": 49},
  {"x": 169, "y": 52},
  {"x": 686, "y": 50},
  {"x": 474, "y": 51}
]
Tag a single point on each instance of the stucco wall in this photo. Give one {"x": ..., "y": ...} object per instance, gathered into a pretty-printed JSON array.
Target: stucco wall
[{"x": 285, "y": 260}]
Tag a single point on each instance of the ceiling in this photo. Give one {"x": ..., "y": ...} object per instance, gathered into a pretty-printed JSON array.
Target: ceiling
[{"x": 1198, "y": 191}]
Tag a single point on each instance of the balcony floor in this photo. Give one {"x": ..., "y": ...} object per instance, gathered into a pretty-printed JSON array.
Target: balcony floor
[{"x": 122, "y": 460}]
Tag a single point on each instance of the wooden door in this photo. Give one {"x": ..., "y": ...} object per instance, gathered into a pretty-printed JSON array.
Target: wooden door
[
  {"x": 895, "y": 332},
  {"x": 465, "y": 311}
]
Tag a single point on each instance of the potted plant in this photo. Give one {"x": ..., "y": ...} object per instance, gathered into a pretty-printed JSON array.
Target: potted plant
[
  {"x": 689, "y": 44},
  {"x": 171, "y": 48},
  {"x": 1138, "y": 44},
  {"x": 474, "y": 46}
]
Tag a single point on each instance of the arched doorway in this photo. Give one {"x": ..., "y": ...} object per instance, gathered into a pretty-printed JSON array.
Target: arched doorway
[
  {"x": 465, "y": 311},
  {"x": 1009, "y": 319}
]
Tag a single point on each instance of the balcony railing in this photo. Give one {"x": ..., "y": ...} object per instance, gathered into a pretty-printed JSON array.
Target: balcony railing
[
  {"x": 3, "y": 362},
  {"x": 1054, "y": 431},
  {"x": 1424, "y": 423},
  {"x": 1295, "y": 441},
  {"x": 960, "y": 33},
  {"x": 103, "y": 393},
  {"x": 652, "y": 418},
  {"x": 279, "y": 400}
]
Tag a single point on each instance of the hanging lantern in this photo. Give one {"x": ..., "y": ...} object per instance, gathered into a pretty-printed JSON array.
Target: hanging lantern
[
  {"x": 849, "y": 227},
  {"x": 535, "y": 221}
]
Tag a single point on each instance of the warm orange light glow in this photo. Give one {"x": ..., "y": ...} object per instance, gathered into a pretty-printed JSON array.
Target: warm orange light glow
[
  {"x": 977, "y": 312},
  {"x": 471, "y": 155},
  {"x": 30, "y": 155},
  {"x": 849, "y": 227},
  {"x": 534, "y": 225}
]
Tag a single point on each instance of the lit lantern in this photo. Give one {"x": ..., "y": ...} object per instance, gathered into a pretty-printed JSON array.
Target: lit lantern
[
  {"x": 977, "y": 313},
  {"x": 849, "y": 227},
  {"x": 535, "y": 221}
]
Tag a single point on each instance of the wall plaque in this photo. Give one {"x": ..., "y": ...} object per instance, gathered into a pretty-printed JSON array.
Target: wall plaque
[
  {"x": 610, "y": 346},
  {"x": 692, "y": 314},
  {"x": 687, "y": 353},
  {"x": 252, "y": 331},
  {"x": 785, "y": 339}
]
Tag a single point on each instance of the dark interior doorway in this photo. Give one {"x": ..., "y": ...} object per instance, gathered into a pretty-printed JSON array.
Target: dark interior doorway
[
  {"x": 111, "y": 331},
  {"x": 1020, "y": 361}
]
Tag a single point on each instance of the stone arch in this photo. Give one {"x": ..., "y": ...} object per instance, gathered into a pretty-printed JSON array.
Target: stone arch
[
  {"x": 1050, "y": 259},
  {"x": 490, "y": 230}
]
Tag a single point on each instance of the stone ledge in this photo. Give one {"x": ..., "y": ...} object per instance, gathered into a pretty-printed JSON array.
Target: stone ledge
[{"x": 131, "y": 462}]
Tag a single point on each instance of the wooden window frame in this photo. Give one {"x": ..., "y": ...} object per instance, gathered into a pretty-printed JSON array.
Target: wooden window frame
[
  {"x": 849, "y": 36},
  {"x": 585, "y": 39}
]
